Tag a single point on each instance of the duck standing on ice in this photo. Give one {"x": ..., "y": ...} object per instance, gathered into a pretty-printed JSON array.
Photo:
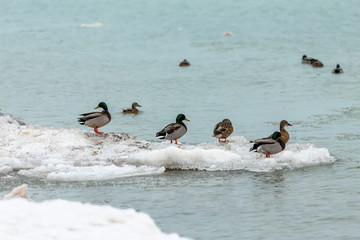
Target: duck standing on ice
[
  {"x": 174, "y": 131},
  {"x": 96, "y": 119},
  {"x": 223, "y": 130},
  {"x": 269, "y": 146}
]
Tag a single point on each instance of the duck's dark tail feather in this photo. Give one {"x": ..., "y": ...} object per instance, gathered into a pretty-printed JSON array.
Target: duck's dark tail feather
[
  {"x": 254, "y": 147},
  {"x": 81, "y": 121},
  {"x": 160, "y": 135}
]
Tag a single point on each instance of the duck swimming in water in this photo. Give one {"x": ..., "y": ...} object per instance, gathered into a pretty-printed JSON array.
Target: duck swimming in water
[
  {"x": 133, "y": 108},
  {"x": 306, "y": 60},
  {"x": 316, "y": 63},
  {"x": 184, "y": 63},
  {"x": 174, "y": 131},
  {"x": 223, "y": 129},
  {"x": 269, "y": 146},
  {"x": 96, "y": 119},
  {"x": 337, "y": 70}
]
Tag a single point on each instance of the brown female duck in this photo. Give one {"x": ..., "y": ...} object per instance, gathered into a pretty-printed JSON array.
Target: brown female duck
[
  {"x": 223, "y": 130},
  {"x": 133, "y": 108}
]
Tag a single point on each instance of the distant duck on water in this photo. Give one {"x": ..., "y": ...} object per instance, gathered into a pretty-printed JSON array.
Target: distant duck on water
[
  {"x": 96, "y": 119},
  {"x": 133, "y": 108},
  {"x": 174, "y": 131},
  {"x": 337, "y": 70},
  {"x": 316, "y": 63},
  {"x": 184, "y": 63},
  {"x": 306, "y": 60},
  {"x": 223, "y": 130}
]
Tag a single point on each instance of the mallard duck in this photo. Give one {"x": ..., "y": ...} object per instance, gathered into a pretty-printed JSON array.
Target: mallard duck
[
  {"x": 174, "y": 131},
  {"x": 337, "y": 69},
  {"x": 96, "y": 119},
  {"x": 223, "y": 129},
  {"x": 184, "y": 63},
  {"x": 132, "y": 109},
  {"x": 284, "y": 134},
  {"x": 316, "y": 63},
  {"x": 306, "y": 60},
  {"x": 269, "y": 146}
]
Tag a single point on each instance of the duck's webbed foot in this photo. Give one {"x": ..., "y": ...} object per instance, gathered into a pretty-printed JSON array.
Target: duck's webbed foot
[{"x": 96, "y": 130}]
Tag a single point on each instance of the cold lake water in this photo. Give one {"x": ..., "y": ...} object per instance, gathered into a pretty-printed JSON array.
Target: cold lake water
[{"x": 59, "y": 59}]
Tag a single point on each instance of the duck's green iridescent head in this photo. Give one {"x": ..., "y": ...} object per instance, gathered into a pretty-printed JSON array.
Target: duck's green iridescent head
[
  {"x": 276, "y": 135},
  {"x": 181, "y": 117},
  {"x": 102, "y": 105}
]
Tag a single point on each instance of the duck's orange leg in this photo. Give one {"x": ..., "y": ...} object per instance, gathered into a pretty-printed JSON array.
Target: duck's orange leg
[
  {"x": 223, "y": 141},
  {"x": 267, "y": 155},
  {"x": 96, "y": 130},
  {"x": 170, "y": 141},
  {"x": 175, "y": 141}
]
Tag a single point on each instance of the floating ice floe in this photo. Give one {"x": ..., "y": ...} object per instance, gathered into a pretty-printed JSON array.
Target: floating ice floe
[
  {"x": 18, "y": 192},
  {"x": 91, "y": 25},
  {"x": 61, "y": 219},
  {"x": 61, "y": 154}
]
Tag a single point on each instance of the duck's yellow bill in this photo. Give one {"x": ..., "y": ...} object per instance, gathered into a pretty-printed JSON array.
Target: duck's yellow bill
[
  {"x": 187, "y": 119},
  {"x": 282, "y": 137},
  {"x": 96, "y": 107}
]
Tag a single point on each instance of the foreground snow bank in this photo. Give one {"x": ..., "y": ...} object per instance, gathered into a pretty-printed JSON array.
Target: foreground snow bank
[{"x": 61, "y": 219}]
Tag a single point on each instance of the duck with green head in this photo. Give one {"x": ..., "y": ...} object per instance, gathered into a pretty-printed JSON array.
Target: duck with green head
[
  {"x": 174, "y": 131},
  {"x": 269, "y": 146},
  {"x": 96, "y": 119}
]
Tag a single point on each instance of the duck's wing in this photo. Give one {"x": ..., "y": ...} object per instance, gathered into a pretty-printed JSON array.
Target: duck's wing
[
  {"x": 169, "y": 129},
  {"x": 223, "y": 129},
  {"x": 91, "y": 115},
  {"x": 262, "y": 141},
  {"x": 218, "y": 129},
  {"x": 229, "y": 129}
]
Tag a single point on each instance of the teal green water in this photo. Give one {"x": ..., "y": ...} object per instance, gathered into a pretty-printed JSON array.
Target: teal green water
[{"x": 52, "y": 69}]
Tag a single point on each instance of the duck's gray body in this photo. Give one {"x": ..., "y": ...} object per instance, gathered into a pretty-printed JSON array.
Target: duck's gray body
[
  {"x": 95, "y": 119},
  {"x": 269, "y": 146},
  {"x": 172, "y": 131},
  {"x": 223, "y": 129}
]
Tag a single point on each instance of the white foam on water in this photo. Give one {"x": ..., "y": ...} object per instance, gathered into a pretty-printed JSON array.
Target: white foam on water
[
  {"x": 61, "y": 219},
  {"x": 60, "y": 154}
]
